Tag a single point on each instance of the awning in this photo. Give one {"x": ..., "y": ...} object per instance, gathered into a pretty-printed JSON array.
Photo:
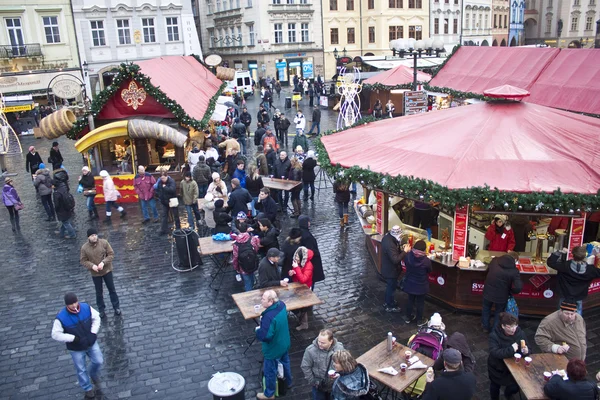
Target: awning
[
  {"x": 401, "y": 75},
  {"x": 393, "y": 63}
]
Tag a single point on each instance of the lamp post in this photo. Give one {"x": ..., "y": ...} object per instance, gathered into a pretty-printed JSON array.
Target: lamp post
[
  {"x": 415, "y": 49},
  {"x": 336, "y": 53}
]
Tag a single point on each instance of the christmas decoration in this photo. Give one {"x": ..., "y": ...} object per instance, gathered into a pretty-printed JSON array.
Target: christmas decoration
[{"x": 133, "y": 96}]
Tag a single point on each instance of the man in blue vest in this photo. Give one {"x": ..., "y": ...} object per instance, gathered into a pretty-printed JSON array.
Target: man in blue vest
[{"x": 77, "y": 325}]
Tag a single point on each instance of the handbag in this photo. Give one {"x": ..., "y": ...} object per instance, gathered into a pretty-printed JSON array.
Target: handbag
[
  {"x": 512, "y": 307},
  {"x": 173, "y": 202},
  {"x": 19, "y": 206},
  {"x": 89, "y": 192}
]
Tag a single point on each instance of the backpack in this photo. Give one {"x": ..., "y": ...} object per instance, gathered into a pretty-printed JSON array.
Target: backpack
[
  {"x": 247, "y": 257},
  {"x": 430, "y": 343}
]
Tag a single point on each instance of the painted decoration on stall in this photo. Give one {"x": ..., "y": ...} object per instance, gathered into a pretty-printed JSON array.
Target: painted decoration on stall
[
  {"x": 594, "y": 286},
  {"x": 123, "y": 183},
  {"x": 379, "y": 214},
  {"x": 529, "y": 290},
  {"x": 133, "y": 96},
  {"x": 576, "y": 233},
  {"x": 461, "y": 224}
]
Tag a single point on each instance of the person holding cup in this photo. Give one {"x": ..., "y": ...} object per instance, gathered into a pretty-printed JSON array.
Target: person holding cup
[
  {"x": 317, "y": 364},
  {"x": 576, "y": 387},
  {"x": 506, "y": 341}
]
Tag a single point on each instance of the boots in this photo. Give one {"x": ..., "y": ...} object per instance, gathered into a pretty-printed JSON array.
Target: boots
[
  {"x": 297, "y": 208},
  {"x": 345, "y": 219},
  {"x": 95, "y": 213},
  {"x": 90, "y": 215},
  {"x": 108, "y": 216},
  {"x": 303, "y": 322},
  {"x": 342, "y": 222}
]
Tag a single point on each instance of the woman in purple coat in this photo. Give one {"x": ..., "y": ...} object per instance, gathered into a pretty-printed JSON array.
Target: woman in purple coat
[
  {"x": 416, "y": 281},
  {"x": 11, "y": 200}
]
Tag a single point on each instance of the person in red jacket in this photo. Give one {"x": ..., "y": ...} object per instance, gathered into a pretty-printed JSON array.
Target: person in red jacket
[
  {"x": 500, "y": 235},
  {"x": 302, "y": 272}
]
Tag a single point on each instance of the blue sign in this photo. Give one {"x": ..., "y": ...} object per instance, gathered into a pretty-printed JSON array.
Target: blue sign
[
  {"x": 307, "y": 69},
  {"x": 294, "y": 64},
  {"x": 281, "y": 65},
  {"x": 252, "y": 66},
  {"x": 291, "y": 55}
]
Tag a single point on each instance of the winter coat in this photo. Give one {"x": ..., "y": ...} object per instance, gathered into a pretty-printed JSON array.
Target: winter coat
[
  {"x": 352, "y": 385},
  {"x": 497, "y": 241},
  {"x": 276, "y": 119},
  {"x": 60, "y": 175},
  {"x": 259, "y": 134},
  {"x": 110, "y": 191},
  {"x": 254, "y": 185},
  {"x": 451, "y": 385},
  {"x": 289, "y": 248},
  {"x": 418, "y": 267},
  {"x": 501, "y": 348},
  {"x": 457, "y": 341},
  {"x": 269, "y": 139},
  {"x": 166, "y": 191},
  {"x": 61, "y": 192},
  {"x": 189, "y": 192},
  {"x": 308, "y": 170},
  {"x": 55, "y": 158},
  {"x": 391, "y": 257},
  {"x": 302, "y": 141},
  {"x": 552, "y": 331},
  {"x": 271, "y": 159},
  {"x": 282, "y": 168},
  {"x": 32, "y": 162},
  {"x": 303, "y": 273},
  {"x": 144, "y": 186},
  {"x": 559, "y": 389},
  {"x": 94, "y": 254},
  {"x": 502, "y": 280},
  {"x": 269, "y": 240},
  {"x": 193, "y": 158},
  {"x": 268, "y": 275},
  {"x": 88, "y": 181},
  {"x": 238, "y": 201},
  {"x": 9, "y": 195},
  {"x": 309, "y": 241},
  {"x": 222, "y": 219},
  {"x": 242, "y": 238},
  {"x": 274, "y": 332},
  {"x": 316, "y": 363},
  {"x": 263, "y": 117},
  {"x": 300, "y": 121},
  {"x": 342, "y": 192},
  {"x": 241, "y": 176},
  {"x": 239, "y": 130},
  {"x": 43, "y": 182},
  {"x": 246, "y": 118},
  {"x": 574, "y": 277},
  {"x": 230, "y": 145},
  {"x": 295, "y": 174},
  {"x": 209, "y": 218},
  {"x": 284, "y": 124},
  {"x": 261, "y": 163},
  {"x": 316, "y": 115},
  {"x": 212, "y": 188}
]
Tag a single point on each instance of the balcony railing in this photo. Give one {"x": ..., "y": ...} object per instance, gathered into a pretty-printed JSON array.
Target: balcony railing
[
  {"x": 290, "y": 8},
  {"x": 22, "y": 51}
]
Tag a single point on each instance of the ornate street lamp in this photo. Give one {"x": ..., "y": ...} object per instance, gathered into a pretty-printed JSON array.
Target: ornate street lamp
[{"x": 415, "y": 48}]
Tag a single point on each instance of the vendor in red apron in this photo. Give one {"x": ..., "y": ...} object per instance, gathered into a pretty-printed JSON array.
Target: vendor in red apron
[{"x": 500, "y": 235}]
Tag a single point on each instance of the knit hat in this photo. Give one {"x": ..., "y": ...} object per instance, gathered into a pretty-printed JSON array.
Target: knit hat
[
  {"x": 92, "y": 231},
  {"x": 215, "y": 175},
  {"x": 420, "y": 245},
  {"x": 568, "y": 306},
  {"x": 42, "y": 166},
  {"x": 260, "y": 148},
  {"x": 501, "y": 217},
  {"x": 273, "y": 252},
  {"x": 396, "y": 232},
  {"x": 436, "y": 321},
  {"x": 310, "y": 154},
  {"x": 452, "y": 356},
  {"x": 241, "y": 215},
  {"x": 104, "y": 174},
  {"x": 70, "y": 298}
]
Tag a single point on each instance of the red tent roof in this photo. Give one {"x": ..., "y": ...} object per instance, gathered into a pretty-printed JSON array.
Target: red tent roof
[
  {"x": 183, "y": 79},
  {"x": 401, "y": 75},
  {"x": 571, "y": 82},
  {"x": 517, "y": 146},
  {"x": 475, "y": 68},
  {"x": 508, "y": 92}
]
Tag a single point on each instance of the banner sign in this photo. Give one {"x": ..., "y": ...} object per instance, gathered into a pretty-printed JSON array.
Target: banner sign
[{"x": 459, "y": 232}]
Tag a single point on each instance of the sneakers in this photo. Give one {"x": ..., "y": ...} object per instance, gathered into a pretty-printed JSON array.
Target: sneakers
[
  {"x": 146, "y": 221},
  {"x": 90, "y": 394},
  {"x": 117, "y": 311},
  {"x": 392, "y": 309},
  {"x": 102, "y": 314},
  {"x": 409, "y": 319},
  {"x": 262, "y": 396},
  {"x": 123, "y": 214}
]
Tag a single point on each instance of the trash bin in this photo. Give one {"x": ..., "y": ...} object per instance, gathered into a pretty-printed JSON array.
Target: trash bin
[
  {"x": 227, "y": 385},
  {"x": 186, "y": 243},
  {"x": 288, "y": 102}
]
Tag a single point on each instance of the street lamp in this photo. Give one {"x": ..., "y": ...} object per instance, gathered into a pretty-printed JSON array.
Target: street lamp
[
  {"x": 415, "y": 48},
  {"x": 336, "y": 53}
]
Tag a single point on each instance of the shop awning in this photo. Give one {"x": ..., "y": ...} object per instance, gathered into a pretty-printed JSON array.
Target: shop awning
[
  {"x": 513, "y": 146},
  {"x": 401, "y": 75},
  {"x": 407, "y": 62}
]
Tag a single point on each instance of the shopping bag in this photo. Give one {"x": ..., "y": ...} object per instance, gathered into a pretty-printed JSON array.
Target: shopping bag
[{"x": 512, "y": 307}]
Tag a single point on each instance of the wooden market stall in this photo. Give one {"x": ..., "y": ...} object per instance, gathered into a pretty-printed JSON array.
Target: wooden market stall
[{"x": 461, "y": 166}]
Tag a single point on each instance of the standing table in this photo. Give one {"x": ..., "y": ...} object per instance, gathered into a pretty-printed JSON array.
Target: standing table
[
  {"x": 279, "y": 184},
  {"x": 531, "y": 379},
  {"x": 210, "y": 247}
]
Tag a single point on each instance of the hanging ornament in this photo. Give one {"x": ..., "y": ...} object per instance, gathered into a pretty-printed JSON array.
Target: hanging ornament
[
  {"x": 506, "y": 206},
  {"x": 520, "y": 207},
  {"x": 556, "y": 211},
  {"x": 571, "y": 211},
  {"x": 539, "y": 206},
  {"x": 421, "y": 197}
]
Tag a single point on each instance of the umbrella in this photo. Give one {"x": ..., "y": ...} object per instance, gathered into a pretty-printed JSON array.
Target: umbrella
[{"x": 232, "y": 104}]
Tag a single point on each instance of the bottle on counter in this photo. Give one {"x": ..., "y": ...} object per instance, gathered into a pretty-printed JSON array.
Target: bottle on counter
[{"x": 390, "y": 341}]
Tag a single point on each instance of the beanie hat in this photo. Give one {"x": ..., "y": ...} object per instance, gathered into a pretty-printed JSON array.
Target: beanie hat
[
  {"x": 260, "y": 148},
  {"x": 452, "y": 356},
  {"x": 396, "y": 232},
  {"x": 54, "y": 144},
  {"x": 215, "y": 175},
  {"x": 568, "y": 306},
  {"x": 420, "y": 245},
  {"x": 42, "y": 166},
  {"x": 273, "y": 252},
  {"x": 436, "y": 321},
  {"x": 104, "y": 173},
  {"x": 241, "y": 215},
  {"x": 501, "y": 217},
  {"x": 70, "y": 298},
  {"x": 92, "y": 231},
  {"x": 310, "y": 154}
]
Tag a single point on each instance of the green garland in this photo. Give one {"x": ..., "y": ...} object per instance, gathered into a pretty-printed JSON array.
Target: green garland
[
  {"x": 489, "y": 199},
  {"x": 132, "y": 71},
  {"x": 380, "y": 86},
  {"x": 457, "y": 93}
]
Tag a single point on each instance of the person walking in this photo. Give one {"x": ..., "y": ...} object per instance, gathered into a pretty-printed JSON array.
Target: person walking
[
  {"x": 43, "y": 183},
  {"x": 245, "y": 255},
  {"x": 342, "y": 198},
  {"x": 64, "y": 204},
  {"x": 32, "y": 161},
  {"x": 316, "y": 121},
  {"x": 97, "y": 257},
  {"x": 308, "y": 175},
  {"x": 277, "y": 87},
  {"x": 317, "y": 361},
  {"x": 77, "y": 325},
  {"x": 274, "y": 334},
  {"x": 202, "y": 176},
  {"x": 392, "y": 255},
  {"x": 111, "y": 196},
  {"x": 295, "y": 174},
  {"x": 300, "y": 140},
  {"x": 311, "y": 95},
  {"x": 503, "y": 280},
  {"x": 88, "y": 186},
  {"x": 300, "y": 122},
  {"x": 13, "y": 204},
  {"x": 246, "y": 119},
  {"x": 189, "y": 195},
  {"x": 284, "y": 125},
  {"x": 416, "y": 281},
  {"x": 166, "y": 190},
  {"x": 144, "y": 187},
  {"x": 56, "y": 159},
  {"x": 239, "y": 133}
]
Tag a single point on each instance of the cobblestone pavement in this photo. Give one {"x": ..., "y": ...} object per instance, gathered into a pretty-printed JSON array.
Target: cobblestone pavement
[{"x": 175, "y": 332}]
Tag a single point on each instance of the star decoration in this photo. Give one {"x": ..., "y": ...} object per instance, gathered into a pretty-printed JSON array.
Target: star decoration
[{"x": 133, "y": 96}]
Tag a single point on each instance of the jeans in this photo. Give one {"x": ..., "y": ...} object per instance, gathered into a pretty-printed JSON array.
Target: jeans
[
  {"x": 192, "y": 215},
  {"x": 282, "y": 136},
  {"x": 390, "y": 288},
  {"x": 252, "y": 206},
  {"x": 270, "y": 371},
  {"x": 283, "y": 197},
  {"x": 96, "y": 359},
  {"x": 248, "y": 281},
  {"x": 486, "y": 311},
  {"x": 318, "y": 125},
  {"x": 66, "y": 228},
  {"x": 164, "y": 226},
  {"x": 112, "y": 204},
  {"x": 242, "y": 141},
  {"x": 342, "y": 208},
  {"x": 110, "y": 285},
  {"x": 202, "y": 189},
  {"x": 306, "y": 186},
  {"x": 419, "y": 299},
  {"x": 152, "y": 203},
  {"x": 48, "y": 206},
  {"x": 319, "y": 395},
  {"x": 89, "y": 203},
  {"x": 579, "y": 305},
  {"x": 511, "y": 389}
]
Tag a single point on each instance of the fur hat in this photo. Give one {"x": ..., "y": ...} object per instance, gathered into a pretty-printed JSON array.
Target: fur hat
[{"x": 501, "y": 217}]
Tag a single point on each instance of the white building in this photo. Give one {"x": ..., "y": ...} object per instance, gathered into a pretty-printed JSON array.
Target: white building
[
  {"x": 445, "y": 21},
  {"x": 477, "y": 29},
  {"x": 277, "y": 38},
  {"x": 110, "y": 32}
]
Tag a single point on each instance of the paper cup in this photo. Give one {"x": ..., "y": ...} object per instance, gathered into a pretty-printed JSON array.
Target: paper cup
[
  {"x": 257, "y": 308},
  {"x": 547, "y": 376},
  {"x": 331, "y": 373},
  {"x": 403, "y": 368},
  {"x": 527, "y": 361},
  {"x": 517, "y": 358},
  {"x": 407, "y": 355},
  {"x": 393, "y": 340}
]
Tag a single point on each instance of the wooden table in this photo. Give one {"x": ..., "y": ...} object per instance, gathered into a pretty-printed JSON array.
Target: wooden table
[
  {"x": 279, "y": 184},
  {"x": 295, "y": 296},
  {"x": 210, "y": 247},
  {"x": 378, "y": 357},
  {"x": 531, "y": 379}
]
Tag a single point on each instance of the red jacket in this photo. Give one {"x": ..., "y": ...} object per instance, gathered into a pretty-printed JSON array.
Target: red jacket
[
  {"x": 305, "y": 274},
  {"x": 499, "y": 243}
]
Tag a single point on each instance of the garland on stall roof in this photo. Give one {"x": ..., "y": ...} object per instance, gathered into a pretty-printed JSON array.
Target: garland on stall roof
[
  {"x": 457, "y": 93},
  {"x": 132, "y": 71},
  {"x": 489, "y": 199},
  {"x": 381, "y": 86}
]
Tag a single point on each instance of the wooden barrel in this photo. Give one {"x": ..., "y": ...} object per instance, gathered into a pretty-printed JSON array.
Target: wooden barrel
[
  {"x": 58, "y": 123},
  {"x": 142, "y": 129},
  {"x": 225, "y": 74}
]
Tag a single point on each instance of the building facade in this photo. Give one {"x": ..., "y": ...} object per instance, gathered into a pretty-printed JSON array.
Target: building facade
[
  {"x": 275, "y": 38},
  {"x": 37, "y": 43},
  {"x": 516, "y": 33},
  {"x": 500, "y": 26},
  {"x": 366, "y": 27},
  {"x": 445, "y": 21},
  {"x": 477, "y": 21},
  {"x": 111, "y": 32}
]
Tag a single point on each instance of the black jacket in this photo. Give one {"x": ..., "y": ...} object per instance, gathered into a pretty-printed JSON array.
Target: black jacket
[
  {"x": 282, "y": 168},
  {"x": 457, "y": 341},
  {"x": 271, "y": 159},
  {"x": 222, "y": 219},
  {"x": 284, "y": 124},
  {"x": 308, "y": 170},
  {"x": 454, "y": 385},
  {"x": 238, "y": 200},
  {"x": 559, "y": 389},
  {"x": 501, "y": 348},
  {"x": 276, "y": 119},
  {"x": 258, "y": 136},
  {"x": 309, "y": 241},
  {"x": 87, "y": 181},
  {"x": 254, "y": 185},
  {"x": 60, "y": 197},
  {"x": 267, "y": 207},
  {"x": 263, "y": 117},
  {"x": 574, "y": 277},
  {"x": 166, "y": 192},
  {"x": 391, "y": 256},
  {"x": 288, "y": 248},
  {"x": 55, "y": 158},
  {"x": 246, "y": 118},
  {"x": 316, "y": 116},
  {"x": 267, "y": 274},
  {"x": 502, "y": 279},
  {"x": 60, "y": 176},
  {"x": 239, "y": 130},
  {"x": 32, "y": 162},
  {"x": 341, "y": 195},
  {"x": 269, "y": 240}
]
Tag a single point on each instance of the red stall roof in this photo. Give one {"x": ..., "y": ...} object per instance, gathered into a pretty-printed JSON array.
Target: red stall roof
[
  {"x": 570, "y": 82},
  {"x": 183, "y": 79},
  {"x": 513, "y": 146},
  {"x": 401, "y": 75},
  {"x": 475, "y": 68}
]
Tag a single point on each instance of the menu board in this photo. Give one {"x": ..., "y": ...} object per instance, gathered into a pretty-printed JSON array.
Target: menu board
[
  {"x": 415, "y": 102},
  {"x": 459, "y": 232},
  {"x": 576, "y": 234},
  {"x": 379, "y": 214}
]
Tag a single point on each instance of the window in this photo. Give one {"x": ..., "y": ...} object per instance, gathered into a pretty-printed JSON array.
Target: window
[
  {"x": 446, "y": 26},
  {"x": 349, "y": 5},
  {"x": 396, "y": 32},
  {"x": 574, "y": 22},
  {"x": 249, "y": 4},
  {"x": 592, "y": 2},
  {"x": 218, "y": 5},
  {"x": 51, "y": 29},
  {"x": 148, "y": 30},
  {"x": 487, "y": 22},
  {"x": 304, "y": 32},
  {"x": 290, "y": 1},
  {"x": 395, "y": 4},
  {"x": 371, "y": 5},
  {"x": 495, "y": 21},
  {"x": 415, "y": 32},
  {"x": 371, "y": 34},
  {"x": 123, "y": 31},
  {"x": 251, "y": 34},
  {"x": 350, "y": 36},
  {"x": 334, "y": 36},
  {"x": 278, "y": 33},
  {"x": 455, "y": 1},
  {"x": 15, "y": 35},
  {"x": 455, "y": 26},
  {"x": 415, "y": 3},
  {"x": 467, "y": 21},
  {"x": 576, "y": 2},
  {"x": 332, "y": 5},
  {"x": 480, "y": 25},
  {"x": 211, "y": 40},
  {"x": 436, "y": 26},
  {"x": 239, "y": 35},
  {"x": 588, "y": 23},
  {"x": 549, "y": 25},
  {"x": 303, "y": 1},
  {"x": 98, "y": 38},
  {"x": 447, "y": 1},
  {"x": 276, "y": 1},
  {"x": 172, "y": 29},
  {"x": 292, "y": 33}
]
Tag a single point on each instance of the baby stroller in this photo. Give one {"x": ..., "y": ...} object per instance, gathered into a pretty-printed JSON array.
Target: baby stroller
[{"x": 430, "y": 342}]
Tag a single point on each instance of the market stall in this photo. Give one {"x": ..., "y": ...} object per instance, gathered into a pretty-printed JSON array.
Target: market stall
[{"x": 443, "y": 176}]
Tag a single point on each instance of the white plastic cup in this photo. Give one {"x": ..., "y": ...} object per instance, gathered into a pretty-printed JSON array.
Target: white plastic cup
[
  {"x": 528, "y": 361},
  {"x": 286, "y": 280},
  {"x": 238, "y": 278},
  {"x": 257, "y": 308},
  {"x": 547, "y": 376},
  {"x": 331, "y": 374},
  {"x": 518, "y": 358},
  {"x": 407, "y": 355},
  {"x": 403, "y": 368}
]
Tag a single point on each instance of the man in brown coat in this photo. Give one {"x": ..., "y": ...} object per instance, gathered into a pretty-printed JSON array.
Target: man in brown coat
[
  {"x": 563, "y": 332},
  {"x": 97, "y": 257}
]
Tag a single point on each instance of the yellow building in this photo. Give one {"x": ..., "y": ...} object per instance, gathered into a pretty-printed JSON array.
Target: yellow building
[{"x": 366, "y": 27}]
